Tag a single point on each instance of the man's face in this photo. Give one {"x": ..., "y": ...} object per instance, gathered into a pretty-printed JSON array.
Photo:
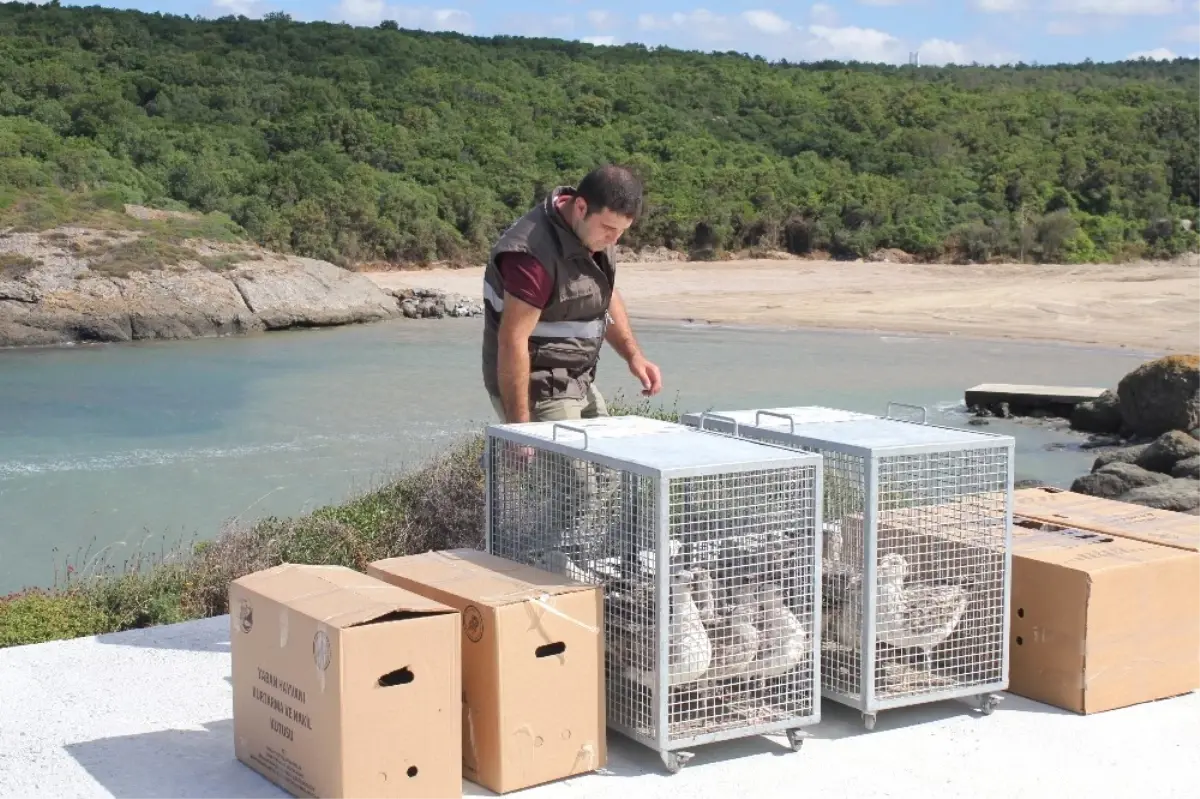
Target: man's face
[{"x": 600, "y": 230}]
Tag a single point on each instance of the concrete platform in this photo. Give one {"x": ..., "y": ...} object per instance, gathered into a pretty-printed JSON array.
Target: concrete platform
[
  {"x": 147, "y": 714},
  {"x": 1024, "y": 400}
]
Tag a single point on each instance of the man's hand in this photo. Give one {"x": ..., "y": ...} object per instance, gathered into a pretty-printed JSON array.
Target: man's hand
[{"x": 648, "y": 373}]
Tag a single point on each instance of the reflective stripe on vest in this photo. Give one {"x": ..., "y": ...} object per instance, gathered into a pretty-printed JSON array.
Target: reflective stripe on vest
[{"x": 592, "y": 329}]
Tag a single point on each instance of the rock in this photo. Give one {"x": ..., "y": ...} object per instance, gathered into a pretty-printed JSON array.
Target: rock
[
  {"x": 1188, "y": 467},
  {"x": 225, "y": 290},
  {"x": 1101, "y": 442},
  {"x": 891, "y": 255},
  {"x": 1177, "y": 494},
  {"x": 978, "y": 422},
  {"x": 1168, "y": 450},
  {"x": 1116, "y": 479},
  {"x": 431, "y": 309},
  {"x": 1161, "y": 395},
  {"x": 1123, "y": 455},
  {"x": 1017, "y": 484},
  {"x": 1101, "y": 415},
  {"x": 409, "y": 309},
  {"x": 304, "y": 292}
]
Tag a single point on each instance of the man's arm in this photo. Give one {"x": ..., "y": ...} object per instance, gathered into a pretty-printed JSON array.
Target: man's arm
[
  {"x": 516, "y": 325},
  {"x": 527, "y": 288},
  {"x": 619, "y": 334}
]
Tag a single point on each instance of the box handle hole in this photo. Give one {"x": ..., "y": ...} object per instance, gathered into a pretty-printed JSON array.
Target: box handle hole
[
  {"x": 398, "y": 677},
  {"x": 1020, "y": 613},
  {"x": 1020, "y": 640},
  {"x": 412, "y": 771},
  {"x": 548, "y": 650}
]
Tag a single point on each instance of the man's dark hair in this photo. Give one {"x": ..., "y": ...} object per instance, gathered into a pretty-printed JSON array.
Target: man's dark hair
[{"x": 613, "y": 187}]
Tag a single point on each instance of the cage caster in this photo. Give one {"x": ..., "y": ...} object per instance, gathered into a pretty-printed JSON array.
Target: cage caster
[
  {"x": 796, "y": 739},
  {"x": 675, "y": 761},
  {"x": 988, "y": 703},
  {"x": 869, "y": 721}
]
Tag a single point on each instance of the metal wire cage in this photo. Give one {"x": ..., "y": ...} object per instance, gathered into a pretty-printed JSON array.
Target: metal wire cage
[
  {"x": 916, "y": 560},
  {"x": 707, "y": 546}
]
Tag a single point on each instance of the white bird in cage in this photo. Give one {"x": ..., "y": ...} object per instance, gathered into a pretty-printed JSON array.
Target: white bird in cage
[
  {"x": 783, "y": 641},
  {"x": 915, "y": 616},
  {"x": 734, "y": 637},
  {"x": 690, "y": 647},
  {"x": 556, "y": 561},
  {"x": 704, "y": 594}
]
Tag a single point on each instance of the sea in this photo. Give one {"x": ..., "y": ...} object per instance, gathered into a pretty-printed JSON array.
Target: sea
[{"x": 106, "y": 450}]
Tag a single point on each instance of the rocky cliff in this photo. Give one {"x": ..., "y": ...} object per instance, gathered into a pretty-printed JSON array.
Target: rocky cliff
[{"x": 70, "y": 285}]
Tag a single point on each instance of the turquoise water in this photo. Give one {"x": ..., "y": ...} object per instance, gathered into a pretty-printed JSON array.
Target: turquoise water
[{"x": 121, "y": 446}]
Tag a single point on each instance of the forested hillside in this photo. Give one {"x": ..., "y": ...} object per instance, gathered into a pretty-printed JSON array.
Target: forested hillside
[{"x": 356, "y": 144}]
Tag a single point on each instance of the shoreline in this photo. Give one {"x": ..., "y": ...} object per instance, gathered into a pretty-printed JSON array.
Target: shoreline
[
  {"x": 831, "y": 329},
  {"x": 1150, "y": 307}
]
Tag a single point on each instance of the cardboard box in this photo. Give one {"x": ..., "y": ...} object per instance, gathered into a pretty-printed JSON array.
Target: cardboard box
[
  {"x": 1122, "y": 519},
  {"x": 533, "y": 664},
  {"x": 344, "y": 685},
  {"x": 1100, "y": 622}
]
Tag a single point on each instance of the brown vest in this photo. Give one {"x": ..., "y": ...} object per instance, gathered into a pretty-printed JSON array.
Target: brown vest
[{"x": 564, "y": 347}]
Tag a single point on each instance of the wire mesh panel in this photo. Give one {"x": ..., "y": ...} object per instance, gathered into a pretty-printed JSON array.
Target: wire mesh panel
[
  {"x": 916, "y": 553},
  {"x": 707, "y": 548}
]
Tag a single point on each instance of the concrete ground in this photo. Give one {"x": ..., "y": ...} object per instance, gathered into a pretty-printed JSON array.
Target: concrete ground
[{"x": 147, "y": 714}]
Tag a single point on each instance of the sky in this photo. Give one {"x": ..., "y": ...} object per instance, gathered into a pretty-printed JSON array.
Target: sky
[{"x": 938, "y": 31}]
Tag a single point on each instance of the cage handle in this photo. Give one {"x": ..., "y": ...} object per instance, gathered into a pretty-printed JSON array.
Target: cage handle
[
  {"x": 580, "y": 430},
  {"x": 791, "y": 420},
  {"x": 708, "y": 415},
  {"x": 924, "y": 411}
]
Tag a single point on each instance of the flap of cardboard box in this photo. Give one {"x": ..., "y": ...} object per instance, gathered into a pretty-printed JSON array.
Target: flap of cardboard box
[
  {"x": 1084, "y": 550},
  {"x": 479, "y": 577},
  {"x": 1122, "y": 519},
  {"x": 338, "y": 596}
]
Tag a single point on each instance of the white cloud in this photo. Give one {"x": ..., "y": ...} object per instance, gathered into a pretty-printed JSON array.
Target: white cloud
[
  {"x": 767, "y": 22},
  {"x": 1117, "y": 8},
  {"x": 823, "y": 14},
  {"x": 775, "y": 37},
  {"x": 1000, "y": 6},
  {"x": 1159, "y": 54},
  {"x": 372, "y": 12},
  {"x": 853, "y": 43},
  {"x": 938, "y": 52},
  {"x": 601, "y": 41}
]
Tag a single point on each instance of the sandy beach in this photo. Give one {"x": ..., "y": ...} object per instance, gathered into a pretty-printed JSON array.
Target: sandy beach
[{"x": 1151, "y": 306}]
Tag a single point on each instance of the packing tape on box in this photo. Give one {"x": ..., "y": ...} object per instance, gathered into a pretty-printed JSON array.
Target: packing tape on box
[{"x": 550, "y": 608}]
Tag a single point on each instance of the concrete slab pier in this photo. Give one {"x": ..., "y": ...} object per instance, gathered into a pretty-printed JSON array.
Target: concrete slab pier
[{"x": 1028, "y": 400}]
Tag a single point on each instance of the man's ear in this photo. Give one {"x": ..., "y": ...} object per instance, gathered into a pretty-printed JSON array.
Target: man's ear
[{"x": 581, "y": 207}]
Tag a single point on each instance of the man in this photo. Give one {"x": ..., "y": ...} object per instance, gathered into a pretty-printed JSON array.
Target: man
[{"x": 550, "y": 302}]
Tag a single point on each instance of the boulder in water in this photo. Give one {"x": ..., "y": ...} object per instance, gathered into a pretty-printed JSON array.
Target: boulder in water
[
  {"x": 1161, "y": 395},
  {"x": 1176, "y": 494},
  {"x": 1116, "y": 479},
  {"x": 1168, "y": 450},
  {"x": 1188, "y": 467},
  {"x": 1101, "y": 415}
]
